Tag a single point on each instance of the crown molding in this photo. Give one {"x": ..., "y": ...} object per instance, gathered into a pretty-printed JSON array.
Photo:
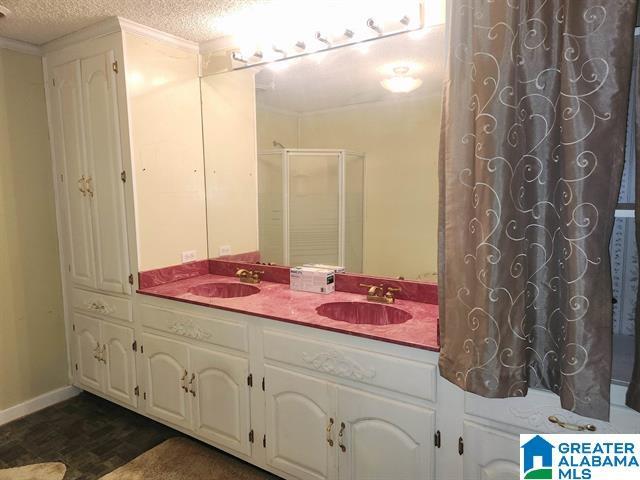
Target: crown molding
[
  {"x": 21, "y": 47},
  {"x": 100, "y": 29},
  {"x": 115, "y": 25},
  {"x": 128, "y": 26},
  {"x": 217, "y": 45}
]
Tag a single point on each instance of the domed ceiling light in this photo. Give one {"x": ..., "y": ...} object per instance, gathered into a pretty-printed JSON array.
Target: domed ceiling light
[{"x": 402, "y": 81}]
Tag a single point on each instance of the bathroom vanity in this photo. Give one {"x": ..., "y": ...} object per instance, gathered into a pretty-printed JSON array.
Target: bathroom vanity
[{"x": 306, "y": 386}]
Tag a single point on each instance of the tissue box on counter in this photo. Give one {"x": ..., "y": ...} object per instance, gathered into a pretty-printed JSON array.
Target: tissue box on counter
[
  {"x": 310, "y": 279},
  {"x": 333, "y": 268}
]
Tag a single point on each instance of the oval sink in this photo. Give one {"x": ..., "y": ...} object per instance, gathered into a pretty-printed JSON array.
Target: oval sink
[
  {"x": 363, "y": 313},
  {"x": 224, "y": 290}
]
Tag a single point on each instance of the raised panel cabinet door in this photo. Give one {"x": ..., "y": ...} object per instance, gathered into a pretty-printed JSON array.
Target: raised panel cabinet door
[
  {"x": 220, "y": 397},
  {"x": 68, "y": 140},
  {"x": 119, "y": 363},
  {"x": 298, "y": 424},
  {"x": 383, "y": 439},
  {"x": 88, "y": 348},
  {"x": 490, "y": 454},
  {"x": 104, "y": 157},
  {"x": 166, "y": 363}
]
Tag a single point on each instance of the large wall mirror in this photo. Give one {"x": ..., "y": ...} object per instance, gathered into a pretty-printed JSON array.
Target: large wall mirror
[{"x": 329, "y": 158}]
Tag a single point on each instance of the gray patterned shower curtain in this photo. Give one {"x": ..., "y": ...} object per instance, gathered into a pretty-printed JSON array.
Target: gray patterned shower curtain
[
  {"x": 532, "y": 150},
  {"x": 633, "y": 394}
]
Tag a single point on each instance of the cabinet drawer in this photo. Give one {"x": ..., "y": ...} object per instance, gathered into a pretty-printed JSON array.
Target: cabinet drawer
[
  {"x": 392, "y": 373},
  {"x": 102, "y": 305},
  {"x": 533, "y": 411},
  {"x": 216, "y": 331}
]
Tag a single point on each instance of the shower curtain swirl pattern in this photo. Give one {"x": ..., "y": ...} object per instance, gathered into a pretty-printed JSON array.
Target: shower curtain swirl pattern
[{"x": 531, "y": 158}]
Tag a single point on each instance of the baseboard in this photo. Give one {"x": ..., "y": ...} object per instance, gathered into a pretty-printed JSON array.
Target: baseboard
[{"x": 43, "y": 401}]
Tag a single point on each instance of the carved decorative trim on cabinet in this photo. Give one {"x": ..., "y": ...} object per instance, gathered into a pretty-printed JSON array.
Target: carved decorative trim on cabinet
[
  {"x": 336, "y": 363},
  {"x": 99, "y": 306},
  {"x": 189, "y": 330}
]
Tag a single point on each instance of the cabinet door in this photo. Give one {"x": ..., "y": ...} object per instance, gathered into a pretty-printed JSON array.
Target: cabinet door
[
  {"x": 166, "y": 374},
  {"x": 298, "y": 412},
  {"x": 88, "y": 346},
  {"x": 220, "y": 398},
  {"x": 68, "y": 141},
  {"x": 119, "y": 363},
  {"x": 102, "y": 138},
  {"x": 383, "y": 439},
  {"x": 490, "y": 454}
]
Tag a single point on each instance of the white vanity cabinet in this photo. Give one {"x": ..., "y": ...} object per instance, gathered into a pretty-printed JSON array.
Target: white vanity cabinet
[
  {"x": 166, "y": 365},
  {"x": 199, "y": 389},
  {"x": 83, "y": 94},
  {"x": 350, "y": 414},
  {"x": 301, "y": 424},
  {"x": 105, "y": 360},
  {"x": 318, "y": 430},
  {"x": 489, "y": 453},
  {"x": 302, "y": 403},
  {"x": 384, "y": 438}
]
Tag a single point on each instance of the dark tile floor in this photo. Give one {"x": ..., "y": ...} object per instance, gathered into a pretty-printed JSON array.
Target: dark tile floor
[{"x": 90, "y": 435}]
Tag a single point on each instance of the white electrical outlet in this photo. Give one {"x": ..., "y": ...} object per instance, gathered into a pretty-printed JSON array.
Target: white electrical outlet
[
  {"x": 188, "y": 256},
  {"x": 224, "y": 250}
]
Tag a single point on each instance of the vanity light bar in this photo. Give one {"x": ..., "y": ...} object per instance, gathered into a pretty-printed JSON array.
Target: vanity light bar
[{"x": 349, "y": 39}]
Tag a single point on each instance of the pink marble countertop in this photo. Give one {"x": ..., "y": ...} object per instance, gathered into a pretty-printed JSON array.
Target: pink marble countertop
[{"x": 276, "y": 301}]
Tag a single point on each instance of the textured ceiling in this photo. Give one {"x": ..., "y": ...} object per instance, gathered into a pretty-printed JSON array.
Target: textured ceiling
[{"x": 40, "y": 21}]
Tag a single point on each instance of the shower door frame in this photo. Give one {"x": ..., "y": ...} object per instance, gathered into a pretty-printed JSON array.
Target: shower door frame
[
  {"x": 342, "y": 165},
  {"x": 286, "y": 163}
]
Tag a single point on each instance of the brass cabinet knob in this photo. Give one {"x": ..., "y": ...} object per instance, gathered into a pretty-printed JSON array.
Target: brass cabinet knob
[
  {"x": 329, "y": 427},
  {"x": 82, "y": 186},
  {"x": 90, "y": 186},
  {"x": 192, "y": 388},
  {"x": 183, "y": 381},
  {"x": 96, "y": 351}
]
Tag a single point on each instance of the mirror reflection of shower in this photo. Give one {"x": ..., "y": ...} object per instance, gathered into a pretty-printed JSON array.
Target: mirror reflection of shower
[{"x": 311, "y": 206}]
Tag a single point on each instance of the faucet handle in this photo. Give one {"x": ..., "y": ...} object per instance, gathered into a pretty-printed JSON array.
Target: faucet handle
[
  {"x": 394, "y": 289},
  {"x": 373, "y": 289}
]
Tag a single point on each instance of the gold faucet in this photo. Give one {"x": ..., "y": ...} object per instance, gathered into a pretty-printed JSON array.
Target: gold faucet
[
  {"x": 249, "y": 276},
  {"x": 377, "y": 293}
]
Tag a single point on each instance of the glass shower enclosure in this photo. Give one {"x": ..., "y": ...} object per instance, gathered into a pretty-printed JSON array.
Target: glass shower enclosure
[{"x": 311, "y": 207}]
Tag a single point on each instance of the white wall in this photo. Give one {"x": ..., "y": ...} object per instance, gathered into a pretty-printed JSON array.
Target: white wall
[
  {"x": 33, "y": 358},
  {"x": 282, "y": 127},
  {"x": 166, "y": 132}
]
